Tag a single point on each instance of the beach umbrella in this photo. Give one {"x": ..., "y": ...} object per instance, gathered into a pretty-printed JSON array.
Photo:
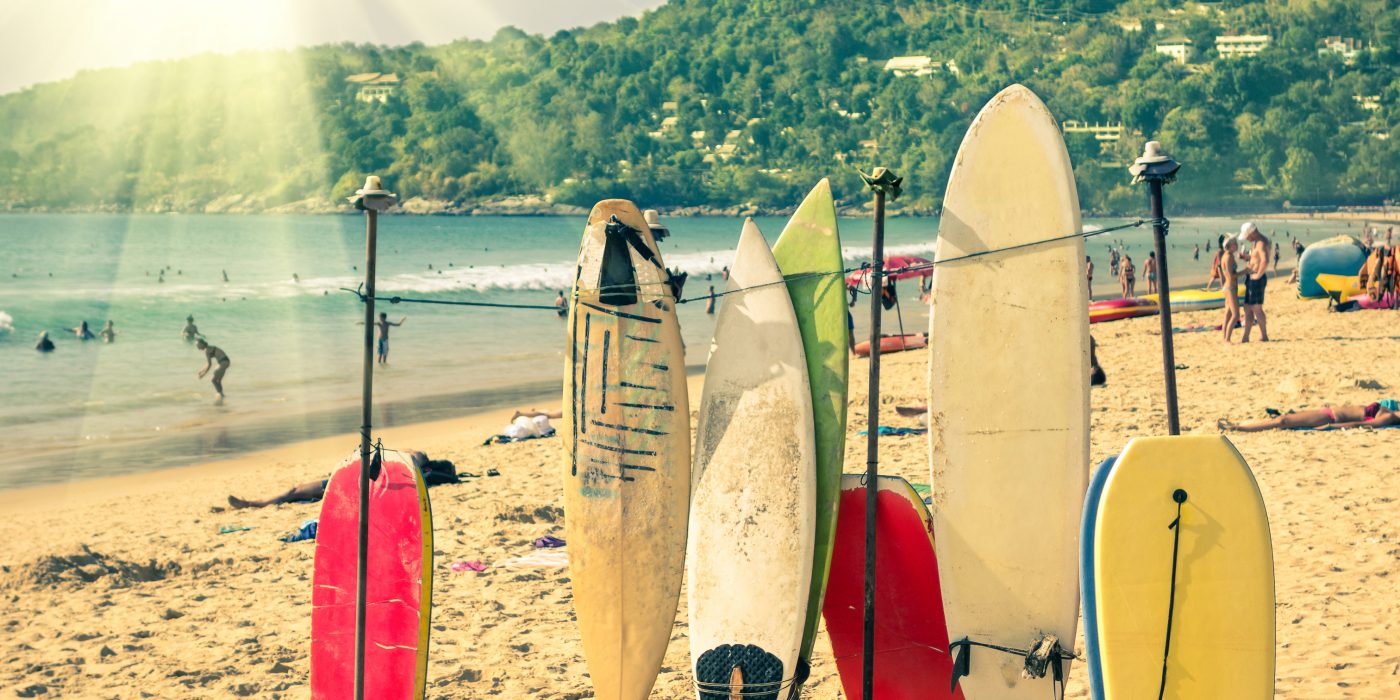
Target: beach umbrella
[{"x": 897, "y": 267}]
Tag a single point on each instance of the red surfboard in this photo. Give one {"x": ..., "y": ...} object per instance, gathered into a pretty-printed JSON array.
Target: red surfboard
[
  {"x": 399, "y": 584},
  {"x": 892, "y": 343},
  {"x": 911, "y": 638}
]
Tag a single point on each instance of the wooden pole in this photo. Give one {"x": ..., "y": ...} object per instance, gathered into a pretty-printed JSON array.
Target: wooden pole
[
  {"x": 371, "y": 231},
  {"x": 872, "y": 447},
  {"x": 1164, "y": 300}
]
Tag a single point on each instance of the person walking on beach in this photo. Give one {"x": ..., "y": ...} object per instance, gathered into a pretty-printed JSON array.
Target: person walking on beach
[
  {"x": 1113, "y": 261},
  {"x": 212, "y": 355},
  {"x": 44, "y": 344},
  {"x": 383, "y": 324},
  {"x": 1125, "y": 276},
  {"x": 190, "y": 331},
  {"x": 561, "y": 307},
  {"x": 1089, "y": 272},
  {"x": 1228, "y": 274},
  {"x": 1297, "y": 249},
  {"x": 1196, "y": 255},
  {"x": 108, "y": 333},
  {"x": 1275, "y": 258},
  {"x": 1256, "y": 280},
  {"x": 1149, "y": 268},
  {"x": 710, "y": 303},
  {"x": 82, "y": 331}
]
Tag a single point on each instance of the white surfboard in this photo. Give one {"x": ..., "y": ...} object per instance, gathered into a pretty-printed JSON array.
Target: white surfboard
[
  {"x": 1009, "y": 394},
  {"x": 753, "y": 506}
]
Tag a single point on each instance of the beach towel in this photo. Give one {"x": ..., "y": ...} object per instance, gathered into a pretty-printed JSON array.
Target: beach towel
[
  {"x": 888, "y": 430},
  {"x": 307, "y": 531}
]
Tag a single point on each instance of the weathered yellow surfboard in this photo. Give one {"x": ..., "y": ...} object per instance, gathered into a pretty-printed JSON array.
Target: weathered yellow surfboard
[{"x": 626, "y": 435}]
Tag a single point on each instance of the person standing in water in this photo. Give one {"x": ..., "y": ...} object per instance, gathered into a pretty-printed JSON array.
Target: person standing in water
[
  {"x": 384, "y": 323},
  {"x": 83, "y": 332},
  {"x": 710, "y": 303},
  {"x": 190, "y": 331},
  {"x": 1126, "y": 277},
  {"x": 44, "y": 344},
  {"x": 561, "y": 306},
  {"x": 108, "y": 333},
  {"x": 212, "y": 355}
]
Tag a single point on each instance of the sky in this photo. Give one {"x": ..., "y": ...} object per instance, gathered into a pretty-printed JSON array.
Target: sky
[{"x": 45, "y": 40}]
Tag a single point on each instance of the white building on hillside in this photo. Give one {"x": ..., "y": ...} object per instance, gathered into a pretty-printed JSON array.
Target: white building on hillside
[
  {"x": 918, "y": 66},
  {"x": 1244, "y": 45},
  {"x": 1180, "y": 50},
  {"x": 374, "y": 87}
]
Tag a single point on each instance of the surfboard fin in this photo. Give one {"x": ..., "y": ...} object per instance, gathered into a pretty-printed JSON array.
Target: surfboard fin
[
  {"x": 736, "y": 684},
  {"x": 962, "y": 663}
]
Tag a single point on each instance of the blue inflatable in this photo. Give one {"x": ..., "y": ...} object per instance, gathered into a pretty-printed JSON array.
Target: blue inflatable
[{"x": 1342, "y": 255}]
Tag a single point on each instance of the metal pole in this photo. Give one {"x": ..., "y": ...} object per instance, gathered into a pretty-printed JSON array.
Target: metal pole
[
  {"x": 872, "y": 448},
  {"x": 371, "y": 229},
  {"x": 1164, "y": 300}
]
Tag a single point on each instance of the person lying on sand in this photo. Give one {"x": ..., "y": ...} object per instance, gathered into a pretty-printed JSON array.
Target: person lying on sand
[
  {"x": 435, "y": 471},
  {"x": 1374, "y": 415},
  {"x": 526, "y": 425}
]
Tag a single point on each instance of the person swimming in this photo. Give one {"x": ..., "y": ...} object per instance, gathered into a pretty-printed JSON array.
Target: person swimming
[
  {"x": 83, "y": 332},
  {"x": 108, "y": 333},
  {"x": 44, "y": 344}
]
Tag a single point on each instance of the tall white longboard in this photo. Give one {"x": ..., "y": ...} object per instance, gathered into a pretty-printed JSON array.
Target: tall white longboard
[
  {"x": 753, "y": 514},
  {"x": 1009, "y": 394},
  {"x": 627, "y": 453}
]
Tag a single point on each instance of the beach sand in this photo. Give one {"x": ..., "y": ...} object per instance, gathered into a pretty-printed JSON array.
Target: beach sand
[{"x": 123, "y": 587}]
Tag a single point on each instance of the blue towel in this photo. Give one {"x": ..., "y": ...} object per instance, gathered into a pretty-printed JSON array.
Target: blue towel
[
  {"x": 887, "y": 430},
  {"x": 307, "y": 531}
]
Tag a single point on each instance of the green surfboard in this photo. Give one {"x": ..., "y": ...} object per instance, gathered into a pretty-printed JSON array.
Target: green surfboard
[{"x": 809, "y": 254}]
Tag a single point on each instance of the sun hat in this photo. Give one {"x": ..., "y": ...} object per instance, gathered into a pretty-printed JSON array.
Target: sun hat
[{"x": 1247, "y": 228}]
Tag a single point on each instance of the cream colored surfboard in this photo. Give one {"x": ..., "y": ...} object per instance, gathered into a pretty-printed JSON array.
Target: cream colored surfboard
[
  {"x": 1009, "y": 394},
  {"x": 627, "y": 453},
  {"x": 753, "y": 514}
]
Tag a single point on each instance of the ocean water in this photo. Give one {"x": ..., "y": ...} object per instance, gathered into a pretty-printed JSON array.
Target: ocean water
[{"x": 92, "y": 408}]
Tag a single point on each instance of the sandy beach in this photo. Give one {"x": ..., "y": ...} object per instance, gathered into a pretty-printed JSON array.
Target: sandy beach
[{"x": 124, "y": 587}]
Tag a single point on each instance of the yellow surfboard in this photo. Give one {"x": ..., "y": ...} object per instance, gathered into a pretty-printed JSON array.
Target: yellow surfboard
[
  {"x": 1221, "y": 602},
  {"x": 627, "y": 452}
]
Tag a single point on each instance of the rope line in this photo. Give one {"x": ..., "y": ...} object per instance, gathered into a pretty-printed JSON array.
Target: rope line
[
  {"x": 1179, "y": 496},
  {"x": 863, "y": 268}
]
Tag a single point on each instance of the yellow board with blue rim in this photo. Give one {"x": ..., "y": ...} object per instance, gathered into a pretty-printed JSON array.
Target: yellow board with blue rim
[{"x": 1222, "y": 622}]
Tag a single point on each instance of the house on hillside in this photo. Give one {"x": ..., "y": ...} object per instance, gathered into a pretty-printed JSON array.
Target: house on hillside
[
  {"x": 1344, "y": 46},
  {"x": 1241, "y": 46},
  {"x": 374, "y": 87},
  {"x": 1179, "y": 49},
  {"x": 918, "y": 66}
]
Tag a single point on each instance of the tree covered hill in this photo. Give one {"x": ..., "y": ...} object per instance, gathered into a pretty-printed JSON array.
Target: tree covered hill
[{"x": 730, "y": 102}]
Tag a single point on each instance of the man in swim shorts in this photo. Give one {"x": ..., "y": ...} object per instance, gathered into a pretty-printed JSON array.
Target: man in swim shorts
[
  {"x": 1255, "y": 281},
  {"x": 384, "y": 323},
  {"x": 212, "y": 355}
]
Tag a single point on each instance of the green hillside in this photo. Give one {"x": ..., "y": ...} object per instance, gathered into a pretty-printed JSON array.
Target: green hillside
[{"x": 727, "y": 102}]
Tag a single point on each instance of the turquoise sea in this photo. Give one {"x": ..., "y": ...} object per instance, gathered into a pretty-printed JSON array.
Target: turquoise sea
[{"x": 91, "y": 408}]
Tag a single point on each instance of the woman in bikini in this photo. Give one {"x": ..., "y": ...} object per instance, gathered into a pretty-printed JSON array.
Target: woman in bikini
[
  {"x": 1378, "y": 414},
  {"x": 1126, "y": 277},
  {"x": 1229, "y": 282}
]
